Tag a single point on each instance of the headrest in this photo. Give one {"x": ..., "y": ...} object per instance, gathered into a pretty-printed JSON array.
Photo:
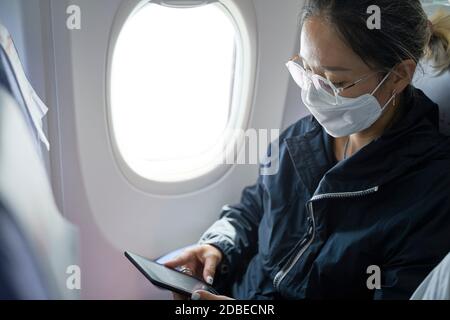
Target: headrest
[
  {"x": 36, "y": 109},
  {"x": 437, "y": 88}
]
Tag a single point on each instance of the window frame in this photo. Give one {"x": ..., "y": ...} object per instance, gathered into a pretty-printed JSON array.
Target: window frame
[{"x": 243, "y": 92}]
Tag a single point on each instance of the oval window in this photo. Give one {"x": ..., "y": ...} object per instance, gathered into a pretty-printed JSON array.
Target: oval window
[{"x": 174, "y": 79}]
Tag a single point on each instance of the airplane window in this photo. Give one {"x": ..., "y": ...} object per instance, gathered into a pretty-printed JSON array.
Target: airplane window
[{"x": 173, "y": 79}]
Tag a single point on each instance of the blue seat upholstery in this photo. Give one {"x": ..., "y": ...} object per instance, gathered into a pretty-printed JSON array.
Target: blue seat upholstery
[
  {"x": 32, "y": 230},
  {"x": 20, "y": 277}
]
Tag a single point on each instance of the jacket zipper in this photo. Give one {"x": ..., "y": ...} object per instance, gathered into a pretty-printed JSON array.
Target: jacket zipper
[{"x": 291, "y": 262}]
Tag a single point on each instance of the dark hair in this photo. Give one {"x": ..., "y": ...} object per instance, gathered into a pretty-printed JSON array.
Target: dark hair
[{"x": 405, "y": 31}]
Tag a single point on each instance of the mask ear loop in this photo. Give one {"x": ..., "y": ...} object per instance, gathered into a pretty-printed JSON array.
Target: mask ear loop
[
  {"x": 378, "y": 87},
  {"x": 381, "y": 83},
  {"x": 394, "y": 95}
]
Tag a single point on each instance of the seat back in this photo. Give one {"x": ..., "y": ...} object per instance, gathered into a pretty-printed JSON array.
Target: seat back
[
  {"x": 26, "y": 192},
  {"x": 20, "y": 277}
]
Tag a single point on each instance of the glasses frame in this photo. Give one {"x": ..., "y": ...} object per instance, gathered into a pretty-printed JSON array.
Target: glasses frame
[{"x": 315, "y": 78}]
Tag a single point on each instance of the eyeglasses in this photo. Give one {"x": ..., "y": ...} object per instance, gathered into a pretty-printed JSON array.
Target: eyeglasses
[{"x": 304, "y": 77}]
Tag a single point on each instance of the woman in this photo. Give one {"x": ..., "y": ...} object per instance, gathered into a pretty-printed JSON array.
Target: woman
[{"x": 363, "y": 190}]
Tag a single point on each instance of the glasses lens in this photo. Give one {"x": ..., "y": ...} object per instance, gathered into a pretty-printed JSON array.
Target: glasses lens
[
  {"x": 298, "y": 74},
  {"x": 324, "y": 84}
]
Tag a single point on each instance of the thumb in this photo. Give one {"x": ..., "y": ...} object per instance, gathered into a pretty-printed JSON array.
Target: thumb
[{"x": 209, "y": 269}]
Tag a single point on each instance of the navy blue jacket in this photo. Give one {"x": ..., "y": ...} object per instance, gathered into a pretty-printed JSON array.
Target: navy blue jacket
[{"x": 313, "y": 230}]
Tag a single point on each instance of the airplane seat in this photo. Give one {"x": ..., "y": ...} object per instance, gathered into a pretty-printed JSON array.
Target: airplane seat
[
  {"x": 20, "y": 277},
  {"x": 14, "y": 80},
  {"x": 32, "y": 212},
  {"x": 436, "y": 285},
  {"x": 436, "y": 87},
  {"x": 7, "y": 80}
]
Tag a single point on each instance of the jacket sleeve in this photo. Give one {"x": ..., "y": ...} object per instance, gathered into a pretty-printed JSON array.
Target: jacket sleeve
[
  {"x": 235, "y": 234},
  {"x": 417, "y": 243}
]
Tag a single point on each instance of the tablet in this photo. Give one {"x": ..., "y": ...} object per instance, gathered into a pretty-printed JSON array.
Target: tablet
[{"x": 166, "y": 278}]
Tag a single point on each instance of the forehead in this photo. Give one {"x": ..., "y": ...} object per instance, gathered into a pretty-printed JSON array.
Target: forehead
[{"x": 322, "y": 46}]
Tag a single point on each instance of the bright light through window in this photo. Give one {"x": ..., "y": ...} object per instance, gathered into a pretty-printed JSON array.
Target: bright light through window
[{"x": 172, "y": 80}]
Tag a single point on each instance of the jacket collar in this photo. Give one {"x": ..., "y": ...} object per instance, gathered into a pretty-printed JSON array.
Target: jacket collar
[{"x": 413, "y": 139}]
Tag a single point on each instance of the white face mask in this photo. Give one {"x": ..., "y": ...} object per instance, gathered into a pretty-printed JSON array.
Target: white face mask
[{"x": 348, "y": 115}]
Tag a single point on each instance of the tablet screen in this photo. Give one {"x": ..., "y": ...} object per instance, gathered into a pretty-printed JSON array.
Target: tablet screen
[{"x": 167, "y": 276}]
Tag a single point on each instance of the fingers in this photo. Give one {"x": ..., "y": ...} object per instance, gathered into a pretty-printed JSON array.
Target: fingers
[
  {"x": 202, "y": 261},
  {"x": 187, "y": 270},
  {"x": 205, "y": 295},
  {"x": 209, "y": 269},
  {"x": 184, "y": 258}
]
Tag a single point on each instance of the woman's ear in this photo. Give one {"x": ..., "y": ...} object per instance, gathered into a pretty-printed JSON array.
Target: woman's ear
[{"x": 403, "y": 74}]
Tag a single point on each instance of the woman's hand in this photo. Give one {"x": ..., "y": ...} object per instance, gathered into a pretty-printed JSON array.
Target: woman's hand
[
  {"x": 205, "y": 295},
  {"x": 200, "y": 261}
]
